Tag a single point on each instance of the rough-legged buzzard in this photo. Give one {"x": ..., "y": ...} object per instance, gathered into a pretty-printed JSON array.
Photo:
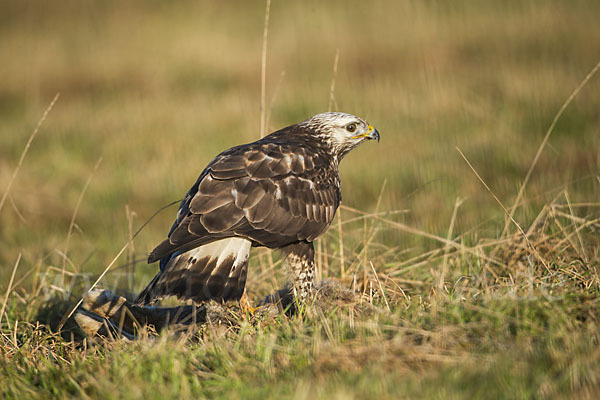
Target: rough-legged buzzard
[{"x": 281, "y": 192}]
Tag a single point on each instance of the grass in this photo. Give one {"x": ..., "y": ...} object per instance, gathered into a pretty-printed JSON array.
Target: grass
[{"x": 459, "y": 309}]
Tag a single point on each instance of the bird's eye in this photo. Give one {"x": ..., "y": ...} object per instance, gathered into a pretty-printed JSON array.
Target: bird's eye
[{"x": 351, "y": 127}]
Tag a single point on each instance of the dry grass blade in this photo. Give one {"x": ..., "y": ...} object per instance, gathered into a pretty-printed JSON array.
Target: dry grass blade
[
  {"x": 131, "y": 261},
  {"x": 16, "y": 209},
  {"x": 544, "y": 142},
  {"x": 273, "y": 99},
  {"x": 29, "y": 141},
  {"x": 339, "y": 213},
  {"x": 68, "y": 315},
  {"x": 12, "y": 278},
  {"x": 579, "y": 238},
  {"x": 457, "y": 204},
  {"x": 380, "y": 287},
  {"x": 263, "y": 72},
  {"x": 590, "y": 223},
  {"x": 332, "y": 101},
  {"x": 341, "y": 243},
  {"x": 370, "y": 235},
  {"x": 76, "y": 210},
  {"x": 414, "y": 231},
  {"x": 533, "y": 249}
]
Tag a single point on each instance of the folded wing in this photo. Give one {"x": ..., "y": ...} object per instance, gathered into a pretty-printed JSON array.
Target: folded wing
[{"x": 270, "y": 193}]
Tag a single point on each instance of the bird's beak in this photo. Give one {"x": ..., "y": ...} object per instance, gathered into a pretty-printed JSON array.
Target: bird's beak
[
  {"x": 370, "y": 134},
  {"x": 373, "y": 133}
]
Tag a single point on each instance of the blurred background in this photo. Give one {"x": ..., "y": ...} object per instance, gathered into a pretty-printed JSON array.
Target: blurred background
[{"x": 157, "y": 89}]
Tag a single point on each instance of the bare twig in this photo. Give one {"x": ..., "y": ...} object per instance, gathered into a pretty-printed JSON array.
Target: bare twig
[{"x": 29, "y": 141}]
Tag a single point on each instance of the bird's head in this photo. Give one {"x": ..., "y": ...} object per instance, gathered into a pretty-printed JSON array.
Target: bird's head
[{"x": 342, "y": 132}]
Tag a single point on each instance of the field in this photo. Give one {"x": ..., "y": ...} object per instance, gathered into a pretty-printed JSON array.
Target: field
[{"x": 470, "y": 233}]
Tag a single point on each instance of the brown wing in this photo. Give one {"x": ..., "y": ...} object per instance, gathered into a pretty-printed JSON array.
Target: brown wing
[{"x": 271, "y": 192}]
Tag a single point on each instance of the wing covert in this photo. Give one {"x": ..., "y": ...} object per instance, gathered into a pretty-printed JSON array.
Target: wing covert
[{"x": 274, "y": 194}]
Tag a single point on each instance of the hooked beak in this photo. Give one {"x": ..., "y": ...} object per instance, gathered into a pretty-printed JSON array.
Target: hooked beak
[{"x": 371, "y": 134}]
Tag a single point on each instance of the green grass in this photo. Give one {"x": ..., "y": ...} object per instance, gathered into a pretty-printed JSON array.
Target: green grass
[{"x": 157, "y": 90}]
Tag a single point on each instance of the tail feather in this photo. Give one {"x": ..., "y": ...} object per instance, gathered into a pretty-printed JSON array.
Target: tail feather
[{"x": 214, "y": 271}]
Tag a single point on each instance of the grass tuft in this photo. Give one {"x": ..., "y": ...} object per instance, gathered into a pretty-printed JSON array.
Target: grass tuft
[{"x": 429, "y": 291}]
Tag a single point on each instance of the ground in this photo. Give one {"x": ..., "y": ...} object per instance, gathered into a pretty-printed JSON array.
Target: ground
[{"x": 453, "y": 299}]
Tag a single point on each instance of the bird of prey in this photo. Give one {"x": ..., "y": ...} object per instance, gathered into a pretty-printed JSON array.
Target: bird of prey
[{"x": 281, "y": 192}]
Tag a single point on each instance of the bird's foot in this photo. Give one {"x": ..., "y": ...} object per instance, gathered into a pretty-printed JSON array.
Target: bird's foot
[{"x": 246, "y": 306}]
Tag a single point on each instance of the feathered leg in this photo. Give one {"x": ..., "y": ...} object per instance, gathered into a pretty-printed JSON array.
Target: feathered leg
[
  {"x": 214, "y": 271},
  {"x": 301, "y": 263}
]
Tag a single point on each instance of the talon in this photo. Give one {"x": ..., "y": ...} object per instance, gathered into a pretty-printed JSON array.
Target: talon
[{"x": 246, "y": 306}]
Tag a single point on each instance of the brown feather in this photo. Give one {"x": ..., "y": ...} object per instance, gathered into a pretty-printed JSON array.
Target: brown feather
[
  {"x": 249, "y": 192},
  {"x": 205, "y": 203},
  {"x": 221, "y": 219},
  {"x": 260, "y": 210},
  {"x": 278, "y": 191}
]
